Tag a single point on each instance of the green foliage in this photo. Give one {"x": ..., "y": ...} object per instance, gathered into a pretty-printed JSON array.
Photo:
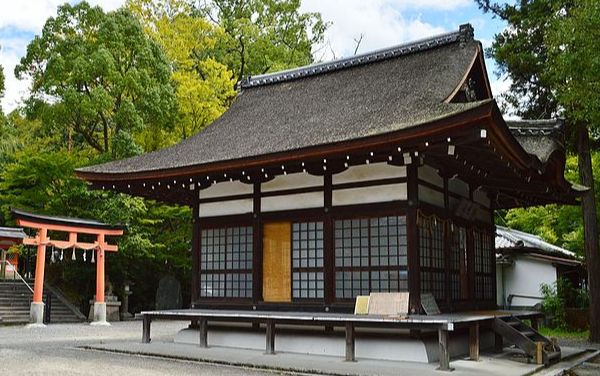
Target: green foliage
[
  {"x": 573, "y": 66},
  {"x": 561, "y": 225},
  {"x": 559, "y": 296},
  {"x": 204, "y": 87},
  {"x": 2, "y": 87},
  {"x": 97, "y": 74},
  {"x": 264, "y": 35}
]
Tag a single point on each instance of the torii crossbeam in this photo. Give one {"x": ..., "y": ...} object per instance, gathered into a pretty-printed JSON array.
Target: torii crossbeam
[{"x": 73, "y": 227}]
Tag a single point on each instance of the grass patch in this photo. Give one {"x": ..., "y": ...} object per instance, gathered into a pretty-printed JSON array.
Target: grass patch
[{"x": 564, "y": 333}]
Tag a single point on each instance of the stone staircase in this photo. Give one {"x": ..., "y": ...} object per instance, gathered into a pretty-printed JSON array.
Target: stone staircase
[{"x": 15, "y": 299}]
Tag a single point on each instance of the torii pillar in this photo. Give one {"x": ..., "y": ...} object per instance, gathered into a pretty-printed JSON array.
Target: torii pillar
[{"x": 73, "y": 227}]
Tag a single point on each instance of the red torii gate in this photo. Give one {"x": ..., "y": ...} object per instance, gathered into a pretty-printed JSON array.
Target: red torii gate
[{"x": 74, "y": 227}]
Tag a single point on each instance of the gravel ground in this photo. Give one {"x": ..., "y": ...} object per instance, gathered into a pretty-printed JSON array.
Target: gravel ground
[{"x": 53, "y": 350}]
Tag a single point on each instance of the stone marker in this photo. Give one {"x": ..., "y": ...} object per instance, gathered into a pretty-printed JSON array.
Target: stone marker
[{"x": 168, "y": 294}]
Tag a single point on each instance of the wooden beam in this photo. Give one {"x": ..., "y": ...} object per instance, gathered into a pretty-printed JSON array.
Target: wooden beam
[
  {"x": 146, "y": 322},
  {"x": 414, "y": 274}
]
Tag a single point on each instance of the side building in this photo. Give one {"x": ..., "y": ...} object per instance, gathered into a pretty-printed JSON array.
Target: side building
[{"x": 379, "y": 172}]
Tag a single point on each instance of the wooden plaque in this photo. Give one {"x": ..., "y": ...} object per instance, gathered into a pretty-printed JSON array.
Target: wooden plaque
[
  {"x": 388, "y": 303},
  {"x": 429, "y": 304}
]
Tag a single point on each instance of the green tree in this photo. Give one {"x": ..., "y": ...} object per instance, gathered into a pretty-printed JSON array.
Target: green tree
[
  {"x": 550, "y": 51},
  {"x": 264, "y": 35},
  {"x": 96, "y": 76},
  {"x": 204, "y": 87}
]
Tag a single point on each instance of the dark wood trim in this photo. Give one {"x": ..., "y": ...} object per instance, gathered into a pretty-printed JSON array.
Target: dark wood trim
[
  {"x": 293, "y": 191},
  {"x": 448, "y": 254},
  {"x": 414, "y": 268},
  {"x": 196, "y": 249},
  {"x": 328, "y": 242},
  {"x": 257, "y": 246},
  {"x": 243, "y": 196},
  {"x": 369, "y": 183}
]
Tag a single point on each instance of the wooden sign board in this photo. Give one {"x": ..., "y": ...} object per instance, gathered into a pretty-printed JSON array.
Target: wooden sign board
[
  {"x": 429, "y": 304},
  {"x": 388, "y": 303}
]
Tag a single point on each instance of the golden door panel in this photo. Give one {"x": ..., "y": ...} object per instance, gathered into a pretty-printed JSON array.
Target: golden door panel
[{"x": 277, "y": 279}]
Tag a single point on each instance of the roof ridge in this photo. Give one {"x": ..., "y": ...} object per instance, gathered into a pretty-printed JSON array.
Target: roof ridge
[{"x": 464, "y": 34}]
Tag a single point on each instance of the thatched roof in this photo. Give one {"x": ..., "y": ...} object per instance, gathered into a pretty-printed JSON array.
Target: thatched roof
[{"x": 372, "y": 94}]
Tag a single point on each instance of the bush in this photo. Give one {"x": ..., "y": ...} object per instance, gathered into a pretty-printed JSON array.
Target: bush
[{"x": 561, "y": 295}]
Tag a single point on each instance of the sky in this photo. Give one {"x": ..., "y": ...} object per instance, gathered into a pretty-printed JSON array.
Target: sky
[{"x": 380, "y": 23}]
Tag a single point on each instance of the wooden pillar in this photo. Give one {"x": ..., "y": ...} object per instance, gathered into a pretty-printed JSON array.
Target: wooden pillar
[
  {"x": 328, "y": 243},
  {"x": 100, "y": 270},
  {"x": 474, "y": 341},
  {"x": 350, "y": 342},
  {"x": 444, "y": 353},
  {"x": 195, "y": 291},
  {"x": 3, "y": 265},
  {"x": 257, "y": 252},
  {"x": 40, "y": 264},
  {"x": 414, "y": 274}
]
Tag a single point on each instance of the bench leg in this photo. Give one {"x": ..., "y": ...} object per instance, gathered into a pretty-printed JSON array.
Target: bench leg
[
  {"x": 444, "y": 353},
  {"x": 270, "y": 340},
  {"x": 350, "y": 342},
  {"x": 474, "y": 341},
  {"x": 203, "y": 325},
  {"x": 146, "y": 329},
  {"x": 498, "y": 343}
]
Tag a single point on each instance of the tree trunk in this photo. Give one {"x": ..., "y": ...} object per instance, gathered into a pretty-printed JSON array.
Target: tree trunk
[{"x": 590, "y": 228}]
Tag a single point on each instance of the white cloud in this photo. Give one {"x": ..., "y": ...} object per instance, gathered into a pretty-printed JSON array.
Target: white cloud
[{"x": 380, "y": 22}]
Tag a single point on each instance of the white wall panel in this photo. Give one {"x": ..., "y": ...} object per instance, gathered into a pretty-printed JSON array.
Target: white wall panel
[
  {"x": 290, "y": 202},
  {"x": 228, "y": 188},
  {"x": 431, "y": 196},
  {"x": 214, "y": 209},
  {"x": 373, "y": 171},
  {"x": 380, "y": 193},
  {"x": 430, "y": 175},
  {"x": 292, "y": 181},
  {"x": 459, "y": 187},
  {"x": 481, "y": 197}
]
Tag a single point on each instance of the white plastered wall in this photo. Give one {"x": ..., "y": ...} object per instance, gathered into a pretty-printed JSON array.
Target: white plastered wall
[{"x": 524, "y": 277}]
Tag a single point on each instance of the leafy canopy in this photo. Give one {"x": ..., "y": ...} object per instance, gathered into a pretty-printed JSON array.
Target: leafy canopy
[
  {"x": 97, "y": 76},
  {"x": 204, "y": 87},
  {"x": 264, "y": 35}
]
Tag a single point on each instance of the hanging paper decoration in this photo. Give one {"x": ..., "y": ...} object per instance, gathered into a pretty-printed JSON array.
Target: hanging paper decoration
[
  {"x": 73, "y": 255},
  {"x": 84, "y": 254},
  {"x": 93, "y": 253},
  {"x": 52, "y": 259},
  {"x": 61, "y": 254}
]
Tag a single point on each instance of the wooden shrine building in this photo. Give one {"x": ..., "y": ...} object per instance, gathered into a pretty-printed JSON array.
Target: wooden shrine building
[{"x": 378, "y": 172}]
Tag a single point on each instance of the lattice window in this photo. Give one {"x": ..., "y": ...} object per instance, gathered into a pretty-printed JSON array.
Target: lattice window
[
  {"x": 226, "y": 262},
  {"x": 370, "y": 256},
  {"x": 431, "y": 256},
  {"x": 307, "y": 260},
  {"x": 484, "y": 255},
  {"x": 459, "y": 288}
]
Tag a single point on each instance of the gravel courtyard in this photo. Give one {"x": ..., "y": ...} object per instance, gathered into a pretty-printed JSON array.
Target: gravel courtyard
[{"x": 54, "y": 351}]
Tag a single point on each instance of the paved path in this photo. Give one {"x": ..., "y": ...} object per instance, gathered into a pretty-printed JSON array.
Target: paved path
[{"x": 53, "y": 351}]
